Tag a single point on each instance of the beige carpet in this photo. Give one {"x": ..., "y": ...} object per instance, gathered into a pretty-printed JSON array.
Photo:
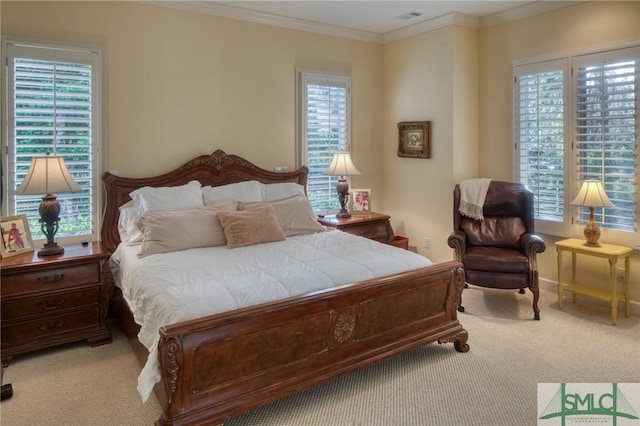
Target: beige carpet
[{"x": 493, "y": 384}]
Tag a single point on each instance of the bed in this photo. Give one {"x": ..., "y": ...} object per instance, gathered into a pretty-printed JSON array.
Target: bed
[{"x": 218, "y": 366}]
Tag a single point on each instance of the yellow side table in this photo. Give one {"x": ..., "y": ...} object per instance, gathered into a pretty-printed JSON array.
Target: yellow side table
[{"x": 606, "y": 251}]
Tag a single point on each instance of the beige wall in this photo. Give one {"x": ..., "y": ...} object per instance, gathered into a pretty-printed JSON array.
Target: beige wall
[
  {"x": 430, "y": 77},
  {"x": 181, "y": 84},
  {"x": 575, "y": 28}
]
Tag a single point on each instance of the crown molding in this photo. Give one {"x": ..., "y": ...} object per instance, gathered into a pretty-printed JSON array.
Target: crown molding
[
  {"x": 524, "y": 11},
  {"x": 231, "y": 12},
  {"x": 455, "y": 18}
]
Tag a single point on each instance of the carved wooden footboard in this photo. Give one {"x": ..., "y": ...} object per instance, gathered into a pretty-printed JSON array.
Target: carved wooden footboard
[{"x": 217, "y": 367}]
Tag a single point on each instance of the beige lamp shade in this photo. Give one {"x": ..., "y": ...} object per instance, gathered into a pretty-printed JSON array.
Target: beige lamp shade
[
  {"x": 47, "y": 175},
  {"x": 592, "y": 195},
  {"x": 342, "y": 165}
]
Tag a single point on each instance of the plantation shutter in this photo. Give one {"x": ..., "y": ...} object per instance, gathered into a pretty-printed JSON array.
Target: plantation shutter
[
  {"x": 606, "y": 87},
  {"x": 326, "y": 131},
  {"x": 540, "y": 135},
  {"x": 52, "y": 109}
]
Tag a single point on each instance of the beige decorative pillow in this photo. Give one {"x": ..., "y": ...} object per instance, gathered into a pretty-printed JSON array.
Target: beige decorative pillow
[
  {"x": 244, "y": 228},
  {"x": 295, "y": 215},
  {"x": 170, "y": 230}
]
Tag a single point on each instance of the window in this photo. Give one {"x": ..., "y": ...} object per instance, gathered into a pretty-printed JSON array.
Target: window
[
  {"x": 54, "y": 106},
  {"x": 541, "y": 135},
  {"x": 575, "y": 119},
  {"x": 323, "y": 129}
]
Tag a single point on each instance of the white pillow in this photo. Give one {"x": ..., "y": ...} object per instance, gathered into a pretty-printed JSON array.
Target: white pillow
[
  {"x": 129, "y": 232},
  {"x": 248, "y": 191},
  {"x": 188, "y": 196},
  {"x": 280, "y": 191}
]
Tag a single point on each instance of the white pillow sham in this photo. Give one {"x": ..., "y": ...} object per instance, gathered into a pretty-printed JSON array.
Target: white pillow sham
[
  {"x": 249, "y": 191},
  {"x": 280, "y": 191},
  {"x": 188, "y": 196},
  {"x": 129, "y": 214}
]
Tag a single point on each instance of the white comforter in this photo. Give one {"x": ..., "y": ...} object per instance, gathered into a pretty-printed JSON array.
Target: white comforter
[{"x": 167, "y": 288}]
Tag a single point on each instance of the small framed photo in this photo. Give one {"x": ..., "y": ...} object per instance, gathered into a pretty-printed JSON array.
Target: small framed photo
[
  {"x": 361, "y": 200},
  {"x": 414, "y": 139},
  {"x": 16, "y": 237}
]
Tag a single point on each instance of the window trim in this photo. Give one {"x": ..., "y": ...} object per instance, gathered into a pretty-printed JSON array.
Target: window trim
[
  {"x": 570, "y": 227},
  {"x": 98, "y": 131},
  {"x": 302, "y": 76}
]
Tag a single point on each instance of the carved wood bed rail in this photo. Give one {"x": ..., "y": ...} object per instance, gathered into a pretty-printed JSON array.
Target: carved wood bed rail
[{"x": 220, "y": 366}]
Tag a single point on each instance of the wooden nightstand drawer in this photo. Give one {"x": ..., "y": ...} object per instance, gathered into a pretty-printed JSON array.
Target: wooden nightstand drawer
[
  {"x": 48, "y": 326},
  {"x": 50, "y": 279},
  {"x": 377, "y": 231},
  {"x": 374, "y": 226},
  {"x": 16, "y": 309}
]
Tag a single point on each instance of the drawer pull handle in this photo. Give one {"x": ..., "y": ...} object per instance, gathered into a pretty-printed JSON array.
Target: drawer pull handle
[
  {"x": 51, "y": 306},
  {"x": 49, "y": 328},
  {"x": 50, "y": 279}
]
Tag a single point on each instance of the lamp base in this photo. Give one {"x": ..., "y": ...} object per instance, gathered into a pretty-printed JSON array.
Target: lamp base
[
  {"x": 50, "y": 250},
  {"x": 342, "y": 187},
  {"x": 591, "y": 231},
  {"x": 49, "y": 216}
]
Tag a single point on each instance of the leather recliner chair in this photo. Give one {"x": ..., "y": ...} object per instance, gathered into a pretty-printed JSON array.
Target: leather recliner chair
[{"x": 499, "y": 251}]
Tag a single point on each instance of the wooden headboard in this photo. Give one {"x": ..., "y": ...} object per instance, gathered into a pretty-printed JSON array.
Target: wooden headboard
[{"x": 216, "y": 169}]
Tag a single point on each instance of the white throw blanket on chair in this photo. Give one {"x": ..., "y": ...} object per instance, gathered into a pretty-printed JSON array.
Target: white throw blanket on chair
[{"x": 472, "y": 195}]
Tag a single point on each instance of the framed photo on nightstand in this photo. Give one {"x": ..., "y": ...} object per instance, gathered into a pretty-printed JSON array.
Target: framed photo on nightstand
[
  {"x": 16, "y": 237},
  {"x": 361, "y": 200}
]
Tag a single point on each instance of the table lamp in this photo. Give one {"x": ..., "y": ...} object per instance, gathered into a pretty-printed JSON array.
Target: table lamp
[
  {"x": 342, "y": 165},
  {"x": 47, "y": 175},
  {"x": 592, "y": 195}
]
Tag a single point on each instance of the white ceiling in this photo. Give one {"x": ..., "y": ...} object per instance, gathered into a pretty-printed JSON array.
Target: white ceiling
[
  {"x": 378, "y": 17},
  {"x": 375, "y": 21}
]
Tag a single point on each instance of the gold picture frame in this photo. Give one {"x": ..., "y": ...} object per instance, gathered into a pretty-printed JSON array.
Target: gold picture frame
[
  {"x": 414, "y": 139},
  {"x": 16, "y": 236}
]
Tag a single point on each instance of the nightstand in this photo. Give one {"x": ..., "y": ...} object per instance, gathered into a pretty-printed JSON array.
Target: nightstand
[
  {"x": 374, "y": 226},
  {"x": 606, "y": 251},
  {"x": 51, "y": 300}
]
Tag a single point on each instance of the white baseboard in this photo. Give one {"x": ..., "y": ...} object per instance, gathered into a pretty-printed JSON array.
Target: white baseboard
[{"x": 550, "y": 285}]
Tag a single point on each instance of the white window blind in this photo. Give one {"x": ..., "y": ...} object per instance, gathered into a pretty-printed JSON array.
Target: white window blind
[
  {"x": 575, "y": 118},
  {"x": 605, "y": 150},
  {"x": 53, "y": 108},
  {"x": 324, "y": 129},
  {"x": 540, "y": 136}
]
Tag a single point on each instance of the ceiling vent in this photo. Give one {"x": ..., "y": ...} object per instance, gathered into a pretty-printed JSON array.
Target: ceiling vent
[{"x": 409, "y": 15}]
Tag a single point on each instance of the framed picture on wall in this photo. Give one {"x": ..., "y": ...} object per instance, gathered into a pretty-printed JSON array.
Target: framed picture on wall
[
  {"x": 16, "y": 237},
  {"x": 414, "y": 139},
  {"x": 361, "y": 200}
]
